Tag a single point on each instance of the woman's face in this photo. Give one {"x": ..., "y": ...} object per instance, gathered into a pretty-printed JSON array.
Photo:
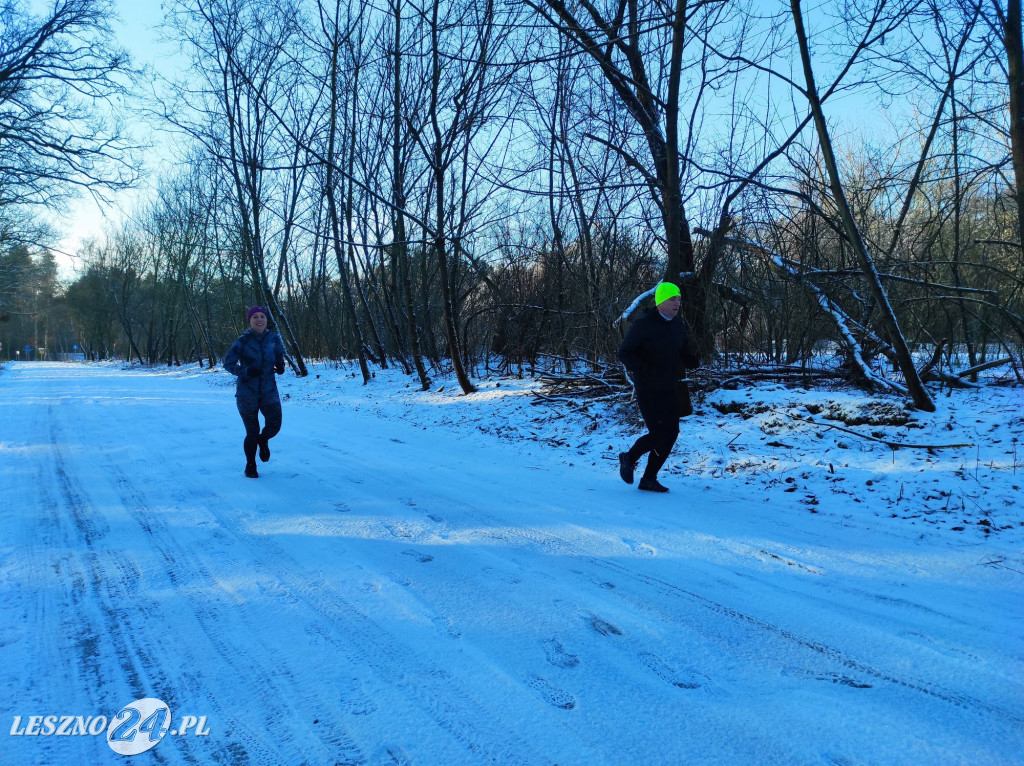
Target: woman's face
[{"x": 258, "y": 322}]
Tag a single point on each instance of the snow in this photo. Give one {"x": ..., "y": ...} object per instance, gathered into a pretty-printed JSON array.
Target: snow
[{"x": 431, "y": 578}]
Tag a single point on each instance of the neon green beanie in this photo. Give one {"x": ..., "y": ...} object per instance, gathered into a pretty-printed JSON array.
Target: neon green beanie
[{"x": 664, "y": 291}]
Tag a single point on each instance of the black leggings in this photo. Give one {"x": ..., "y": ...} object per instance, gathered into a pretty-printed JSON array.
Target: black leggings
[
  {"x": 660, "y": 411},
  {"x": 253, "y": 435}
]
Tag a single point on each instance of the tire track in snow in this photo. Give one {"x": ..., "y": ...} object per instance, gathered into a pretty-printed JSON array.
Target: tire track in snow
[
  {"x": 128, "y": 617},
  {"x": 763, "y": 628},
  {"x": 275, "y": 699},
  {"x": 477, "y": 724},
  {"x": 111, "y": 664},
  {"x": 97, "y": 586},
  {"x": 453, "y": 708},
  {"x": 134, "y": 626},
  {"x": 68, "y": 630}
]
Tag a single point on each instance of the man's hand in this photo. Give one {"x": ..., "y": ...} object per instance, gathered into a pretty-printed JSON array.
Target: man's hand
[{"x": 279, "y": 367}]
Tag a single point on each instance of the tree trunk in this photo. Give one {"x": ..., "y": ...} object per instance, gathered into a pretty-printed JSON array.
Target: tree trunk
[
  {"x": 350, "y": 162},
  {"x": 1013, "y": 41},
  {"x": 440, "y": 244},
  {"x": 332, "y": 203},
  {"x": 916, "y": 388},
  {"x": 400, "y": 247}
]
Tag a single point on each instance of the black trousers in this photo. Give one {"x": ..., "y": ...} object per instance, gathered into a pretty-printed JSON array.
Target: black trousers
[
  {"x": 660, "y": 411},
  {"x": 250, "y": 412}
]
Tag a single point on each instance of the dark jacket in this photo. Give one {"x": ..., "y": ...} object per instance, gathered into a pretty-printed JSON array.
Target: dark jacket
[
  {"x": 656, "y": 352},
  {"x": 264, "y": 351}
]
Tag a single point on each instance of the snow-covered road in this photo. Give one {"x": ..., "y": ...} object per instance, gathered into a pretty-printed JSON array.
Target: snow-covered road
[{"x": 389, "y": 593}]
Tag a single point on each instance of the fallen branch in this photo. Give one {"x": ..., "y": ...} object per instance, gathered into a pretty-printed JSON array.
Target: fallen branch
[
  {"x": 579, "y": 380},
  {"x": 890, "y": 444},
  {"x": 953, "y": 381},
  {"x": 934, "y": 361},
  {"x": 998, "y": 561},
  {"x": 778, "y": 374},
  {"x": 539, "y": 397},
  {"x": 985, "y": 366}
]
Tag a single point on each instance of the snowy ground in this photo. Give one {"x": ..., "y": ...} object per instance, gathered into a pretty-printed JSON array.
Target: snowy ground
[{"x": 427, "y": 578}]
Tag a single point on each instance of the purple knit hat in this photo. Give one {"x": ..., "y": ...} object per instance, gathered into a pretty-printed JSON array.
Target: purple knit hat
[{"x": 255, "y": 310}]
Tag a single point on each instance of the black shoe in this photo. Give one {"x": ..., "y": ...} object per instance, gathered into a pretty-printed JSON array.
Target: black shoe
[
  {"x": 250, "y": 471},
  {"x": 651, "y": 485},
  {"x": 626, "y": 467},
  {"x": 264, "y": 450}
]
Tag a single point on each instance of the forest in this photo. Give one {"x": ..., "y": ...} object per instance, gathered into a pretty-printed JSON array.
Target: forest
[{"x": 464, "y": 186}]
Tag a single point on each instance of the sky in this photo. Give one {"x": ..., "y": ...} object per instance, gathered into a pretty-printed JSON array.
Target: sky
[{"x": 432, "y": 578}]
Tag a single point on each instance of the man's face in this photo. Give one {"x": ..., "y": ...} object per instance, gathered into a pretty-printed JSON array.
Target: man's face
[{"x": 670, "y": 307}]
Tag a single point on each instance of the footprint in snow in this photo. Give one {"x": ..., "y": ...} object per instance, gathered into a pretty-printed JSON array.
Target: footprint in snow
[
  {"x": 355, "y": 701},
  {"x": 444, "y": 627},
  {"x": 604, "y": 627},
  {"x": 557, "y": 656},
  {"x": 423, "y": 558},
  {"x": 680, "y": 679},
  {"x": 556, "y": 697},
  {"x": 397, "y": 756},
  {"x": 275, "y": 589},
  {"x": 844, "y": 680},
  {"x": 640, "y": 549},
  {"x": 398, "y": 531}
]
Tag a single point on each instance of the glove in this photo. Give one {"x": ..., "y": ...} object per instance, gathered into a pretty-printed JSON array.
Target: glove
[
  {"x": 279, "y": 367},
  {"x": 253, "y": 372}
]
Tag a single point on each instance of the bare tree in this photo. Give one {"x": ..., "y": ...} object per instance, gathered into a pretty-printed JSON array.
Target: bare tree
[
  {"x": 399, "y": 160},
  {"x": 628, "y": 42},
  {"x": 61, "y": 76},
  {"x": 668, "y": 64},
  {"x": 922, "y": 400},
  {"x": 239, "y": 51},
  {"x": 1008, "y": 26},
  {"x": 334, "y": 34},
  {"x": 464, "y": 88},
  {"x": 181, "y": 221}
]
